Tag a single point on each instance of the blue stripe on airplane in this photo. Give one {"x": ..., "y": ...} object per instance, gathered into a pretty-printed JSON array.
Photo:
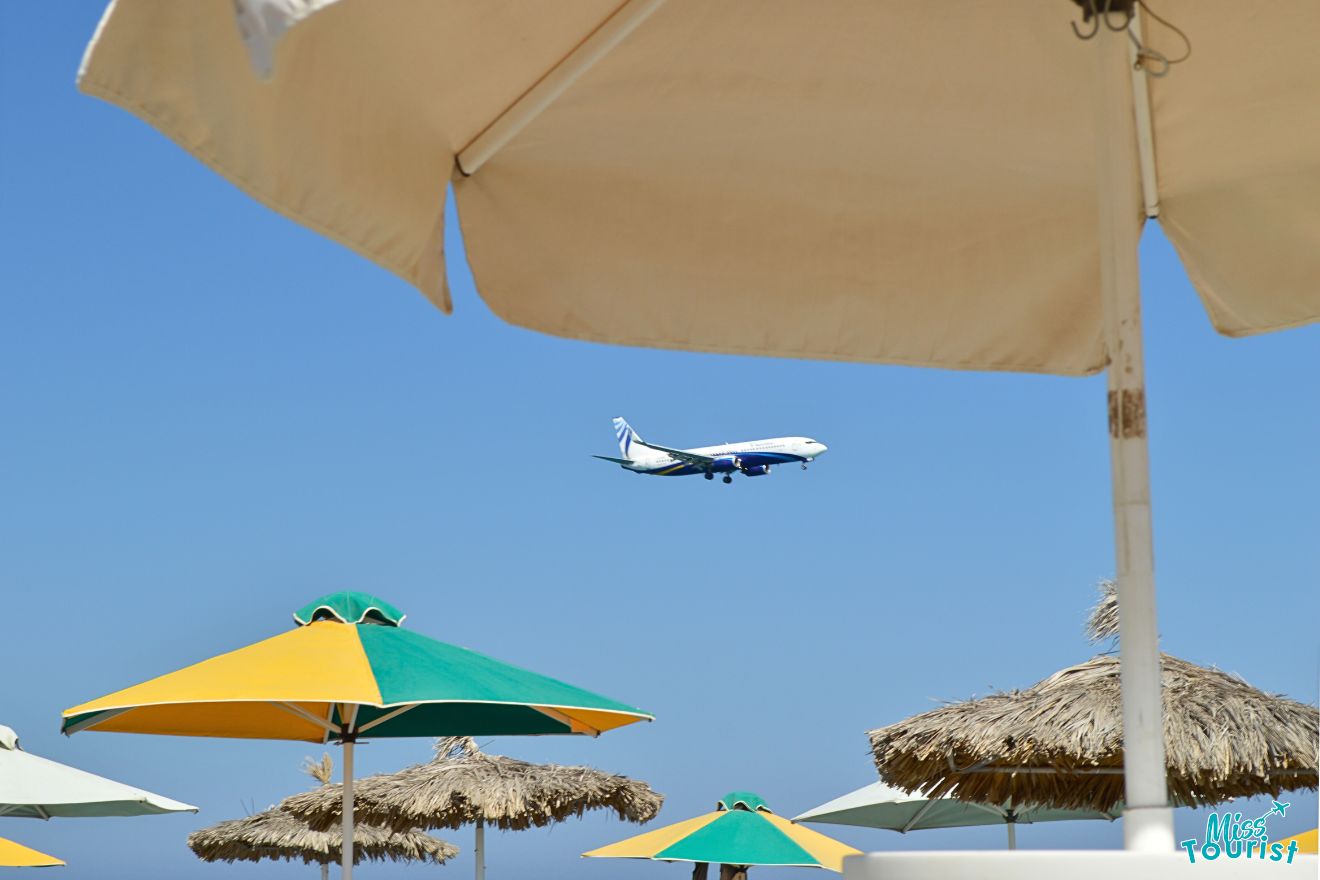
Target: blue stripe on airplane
[{"x": 753, "y": 459}]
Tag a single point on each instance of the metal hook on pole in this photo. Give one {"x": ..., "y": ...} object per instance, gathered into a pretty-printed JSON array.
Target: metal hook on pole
[
  {"x": 1117, "y": 15},
  {"x": 1125, "y": 20},
  {"x": 1092, "y": 14}
]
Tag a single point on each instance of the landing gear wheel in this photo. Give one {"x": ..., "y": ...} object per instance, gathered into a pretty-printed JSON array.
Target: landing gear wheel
[
  {"x": 709, "y": 475},
  {"x": 728, "y": 478},
  {"x": 804, "y": 465}
]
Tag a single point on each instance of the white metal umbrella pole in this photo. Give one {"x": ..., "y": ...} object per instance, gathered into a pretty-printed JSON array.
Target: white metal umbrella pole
[
  {"x": 1148, "y": 818},
  {"x": 349, "y": 714},
  {"x": 479, "y": 850},
  {"x": 1010, "y": 819}
]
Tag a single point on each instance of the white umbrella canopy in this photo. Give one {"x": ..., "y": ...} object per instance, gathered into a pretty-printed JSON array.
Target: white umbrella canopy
[
  {"x": 882, "y": 806},
  {"x": 38, "y": 788},
  {"x": 958, "y": 185}
]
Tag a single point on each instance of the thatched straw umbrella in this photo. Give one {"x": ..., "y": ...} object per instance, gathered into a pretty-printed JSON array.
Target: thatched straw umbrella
[
  {"x": 278, "y": 834},
  {"x": 464, "y": 786},
  {"x": 1060, "y": 741}
]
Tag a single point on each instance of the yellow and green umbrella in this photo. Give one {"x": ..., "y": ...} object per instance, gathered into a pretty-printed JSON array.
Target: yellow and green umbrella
[
  {"x": 16, "y": 855},
  {"x": 742, "y": 831},
  {"x": 349, "y": 668}
]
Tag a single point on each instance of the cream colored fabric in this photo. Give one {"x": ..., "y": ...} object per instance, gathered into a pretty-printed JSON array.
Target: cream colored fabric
[
  {"x": 876, "y": 181},
  {"x": 1237, "y": 133}
]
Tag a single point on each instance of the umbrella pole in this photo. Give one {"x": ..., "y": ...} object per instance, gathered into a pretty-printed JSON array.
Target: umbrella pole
[
  {"x": 346, "y": 850},
  {"x": 1012, "y": 833},
  {"x": 325, "y": 871},
  {"x": 347, "y": 736},
  {"x": 479, "y": 850},
  {"x": 1148, "y": 818}
]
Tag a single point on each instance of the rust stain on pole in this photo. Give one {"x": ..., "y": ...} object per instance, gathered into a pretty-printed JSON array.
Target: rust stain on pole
[{"x": 1129, "y": 419}]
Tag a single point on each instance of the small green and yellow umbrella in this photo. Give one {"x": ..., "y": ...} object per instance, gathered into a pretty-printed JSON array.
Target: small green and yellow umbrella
[
  {"x": 743, "y": 832},
  {"x": 349, "y": 668},
  {"x": 1307, "y": 841},
  {"x": 16, "y": 855}
]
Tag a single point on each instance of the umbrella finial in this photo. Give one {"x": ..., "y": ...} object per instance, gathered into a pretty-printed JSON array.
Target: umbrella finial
[
  {"x": 743, "y": 800},
  {"x": 348, "y": 606}
]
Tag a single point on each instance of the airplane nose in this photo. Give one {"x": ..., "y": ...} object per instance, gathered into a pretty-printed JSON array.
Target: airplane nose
[{"x": 823, "y": 448}]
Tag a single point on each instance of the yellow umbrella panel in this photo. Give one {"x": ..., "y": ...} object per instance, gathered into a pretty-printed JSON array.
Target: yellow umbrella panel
[
  {"x": 285, "y": 687},
  {"x": 15, "y": 855},
  {"x": 1307, "y": 841}
]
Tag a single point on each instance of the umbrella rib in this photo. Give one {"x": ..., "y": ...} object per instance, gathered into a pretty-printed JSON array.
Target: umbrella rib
[
  {"x": 388, "y": 716},
  {"x": 1041, "y": 771},
  {"x": 571, "y": 723},
  {"x": 997, "y": 811},
  {"x": 971, "y": 768},
  {"x": 911, "y": 823},
  {"x": 554, "y": 83},
  {"x": 308, "y": 716}
]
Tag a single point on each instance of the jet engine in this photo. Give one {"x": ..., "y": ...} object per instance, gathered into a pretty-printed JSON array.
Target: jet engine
[
  {"x": 759, "y": 470},
  {"x": 725, "y": 464}
]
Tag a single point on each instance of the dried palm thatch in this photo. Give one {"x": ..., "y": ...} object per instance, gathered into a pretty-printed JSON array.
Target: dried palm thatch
[
  {"x": 277, "y": 834},
  {"x": 322, "y": 771},
  {"x": 464, "y": 786},
  {"x": 1102, "y": 624},
  {"x": 1060, "y": 742}
]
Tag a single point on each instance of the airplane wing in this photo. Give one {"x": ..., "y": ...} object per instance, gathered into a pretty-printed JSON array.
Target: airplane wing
[
  {"x": 692, "y": 458},
  {"x": 615, "y": 460}
]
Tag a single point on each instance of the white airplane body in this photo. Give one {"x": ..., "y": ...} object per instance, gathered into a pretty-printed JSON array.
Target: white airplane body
[{"x": 753, "y": 458}]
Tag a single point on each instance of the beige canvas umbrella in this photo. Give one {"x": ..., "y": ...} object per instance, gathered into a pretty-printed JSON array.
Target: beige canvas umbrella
[
  {"x": 463, "y": 785},
  {"x": 959, "y": 185},
  {"x": 1060, "y": 741},
  {"x": 278, "y": 834}
]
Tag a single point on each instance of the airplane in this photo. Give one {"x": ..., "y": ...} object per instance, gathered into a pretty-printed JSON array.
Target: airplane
[
  {"x": 1278, "y": 808},
  {"x": 753, "y": 458}
]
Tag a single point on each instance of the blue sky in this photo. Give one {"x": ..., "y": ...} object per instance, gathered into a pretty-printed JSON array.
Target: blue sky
[{"x": 209, "y": 415}]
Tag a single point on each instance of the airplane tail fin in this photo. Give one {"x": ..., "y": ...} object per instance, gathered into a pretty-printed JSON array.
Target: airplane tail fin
[{"x": 627, "y": 437}]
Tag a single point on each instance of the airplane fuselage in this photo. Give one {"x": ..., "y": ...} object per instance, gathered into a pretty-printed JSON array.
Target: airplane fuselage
[{"x": 750, "y": 457}]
